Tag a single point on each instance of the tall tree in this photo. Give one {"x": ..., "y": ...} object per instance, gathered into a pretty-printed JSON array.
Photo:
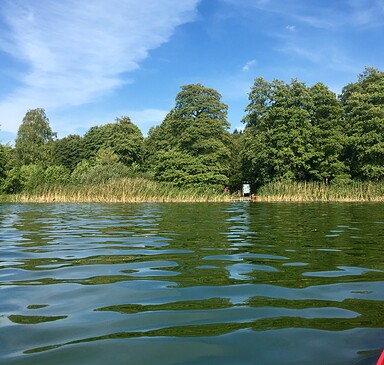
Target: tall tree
[
  {"x": 363, "y": 103},
  {"x": 3, "y": 162},
  {"x": 292, "y": 133},
  {"x": 9, "y": 172},
  {"x": 278, "y": 132},
  {"x": 236, "y": 173},
  {"x": 192, "y": 145},
  {"x": 123, "y": 137},
  {"x": 34, "y": 141},
  {"x": 69, "y": 151},
  {"x": 328, "y": 135}
]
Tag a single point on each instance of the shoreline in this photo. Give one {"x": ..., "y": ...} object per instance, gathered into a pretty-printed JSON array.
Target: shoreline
[
  {"x": 121, "y": 200},
  {"x": 134, "y": 190}
]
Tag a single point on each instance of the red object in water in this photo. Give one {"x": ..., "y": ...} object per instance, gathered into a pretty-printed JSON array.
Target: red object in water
[{"x": 381, "y": 359}]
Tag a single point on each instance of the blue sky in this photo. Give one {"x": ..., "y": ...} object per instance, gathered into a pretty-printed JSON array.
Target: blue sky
[{"x": 88, "y": 62}]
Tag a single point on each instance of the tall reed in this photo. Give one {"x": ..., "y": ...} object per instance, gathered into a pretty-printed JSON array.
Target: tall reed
[
  {"x": 138, "y": 189},
  {"x": 313, "y": 191},
  {"x": 122, "y": 190}
]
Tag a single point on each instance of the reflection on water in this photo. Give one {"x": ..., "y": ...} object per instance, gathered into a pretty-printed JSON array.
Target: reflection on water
[{"x": 237, "y": 283}]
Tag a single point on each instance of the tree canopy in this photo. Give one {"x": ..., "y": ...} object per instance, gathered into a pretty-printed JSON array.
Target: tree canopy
[
  {"x": 69, "y": 151},
  {"x": 192, "y": 145},
  {"x": 363, "y": 103},
  {"x": 293, "y": 132},
  {"x": 34, "y": 139},
  {"x": 123, "y": 137}
]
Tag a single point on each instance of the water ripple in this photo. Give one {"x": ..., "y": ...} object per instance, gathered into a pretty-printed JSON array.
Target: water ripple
[{"x": 188, "y": 284}]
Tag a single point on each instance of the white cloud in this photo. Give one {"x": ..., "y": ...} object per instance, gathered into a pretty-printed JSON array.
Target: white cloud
[
  {"x": 248, "y": 65},
  {"x": 291, "y": 28},
  {"x": 74, "y": 51}
]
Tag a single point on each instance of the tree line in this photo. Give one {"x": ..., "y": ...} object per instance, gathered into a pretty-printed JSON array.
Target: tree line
[{"x": 292, "y": 132}]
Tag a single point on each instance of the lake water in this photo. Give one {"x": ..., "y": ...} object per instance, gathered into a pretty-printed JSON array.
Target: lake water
[{"x": 225, "y": 283}]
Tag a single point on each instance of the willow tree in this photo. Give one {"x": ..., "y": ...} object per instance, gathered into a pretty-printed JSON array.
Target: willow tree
[
  {"x": 34, "y": 141},
  {"x": 192, "y": 145}
]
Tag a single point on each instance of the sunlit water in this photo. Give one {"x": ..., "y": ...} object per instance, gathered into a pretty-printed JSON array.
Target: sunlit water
[{"x": 238, "y": 283}]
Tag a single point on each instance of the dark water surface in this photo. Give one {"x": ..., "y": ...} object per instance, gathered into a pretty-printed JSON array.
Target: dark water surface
[{"x": 236, "y": 283}]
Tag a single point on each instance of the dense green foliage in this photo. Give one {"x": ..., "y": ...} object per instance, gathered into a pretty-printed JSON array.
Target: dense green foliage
[
  {"x": 3, "y": 161},
  {"x": 192, "y": 145},
  {"x": 123, "y": 137},
  {"x": 293, "y": 134},
  {"x": 69, "y": 151},
  {"x": 34, "y": 141},
  {"x": 363, "y": 103}
]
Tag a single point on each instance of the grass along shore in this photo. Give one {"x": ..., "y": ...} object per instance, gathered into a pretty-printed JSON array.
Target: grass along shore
[
  {"x": 311, "y": 191},
  {"x": 124, "y": 190},
  {"x": 129, "y": 190}
]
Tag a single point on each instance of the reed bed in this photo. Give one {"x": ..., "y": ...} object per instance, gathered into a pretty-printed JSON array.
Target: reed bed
[
  {"x": 312, "y": 191},
  {"x": 130, "y": 190},
  {"x": 125, "y": 190}
]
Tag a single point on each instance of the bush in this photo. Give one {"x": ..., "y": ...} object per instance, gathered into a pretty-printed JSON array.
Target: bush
[
  {"x": 31, "y": 176},
  {"x": 57, "y": 174},
  {"x": 85, "y": 173},
  {"x": 80, "y": 173},
  {"x": 12, "y": 182}
]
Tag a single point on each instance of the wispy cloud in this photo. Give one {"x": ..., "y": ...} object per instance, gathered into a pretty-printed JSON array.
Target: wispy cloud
[
  {"x": 323, "y": 15},
  {"x": 325, "y": 35},
  {"x": 326, "y": 53},
  {"x": 312, "y": 55},
  {"x": 367, "y": 12},
  {"x": 249, "y": 65},
  {"x": 74, "y": 52}
]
